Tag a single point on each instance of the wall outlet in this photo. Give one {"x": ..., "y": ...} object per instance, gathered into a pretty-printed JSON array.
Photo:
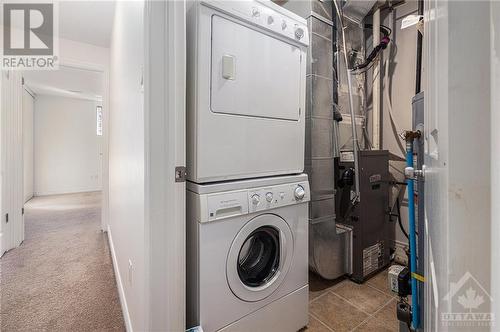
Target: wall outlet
[{"x": 130, "y": 270}]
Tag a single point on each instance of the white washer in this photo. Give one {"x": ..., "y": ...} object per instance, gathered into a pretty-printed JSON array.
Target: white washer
[
  {"x": 246, "y": 90},
  {"x": 247, "y": 255}
]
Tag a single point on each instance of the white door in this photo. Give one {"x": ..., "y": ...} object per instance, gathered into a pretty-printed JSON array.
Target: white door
[
  {"x": 11, "y": 155},
  {"x": 28, "y": 108},
  {"x": 458, "y": 142}
]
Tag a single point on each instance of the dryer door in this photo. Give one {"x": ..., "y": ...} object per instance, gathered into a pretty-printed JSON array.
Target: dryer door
[
  {"x": 259, "y": 257},
  {"x": 254, "y": 74}
]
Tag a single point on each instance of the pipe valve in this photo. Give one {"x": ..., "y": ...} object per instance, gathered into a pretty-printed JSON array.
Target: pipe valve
[{"x": 412, "y": 173}]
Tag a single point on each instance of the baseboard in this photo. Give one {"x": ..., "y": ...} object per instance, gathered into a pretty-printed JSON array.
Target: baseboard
[
  {"x": 65, "y": 192},
  {"x": 1, "y": 246},
  {"x": 119, "y": 284},
  {"x": 28, "y": 197}
]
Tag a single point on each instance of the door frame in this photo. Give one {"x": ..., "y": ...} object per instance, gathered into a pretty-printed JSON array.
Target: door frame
[
  {"x": 165, "y": 151},
  {"x": 104, "y": 70}
]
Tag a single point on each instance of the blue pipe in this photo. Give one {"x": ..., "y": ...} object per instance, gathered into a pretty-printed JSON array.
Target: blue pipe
[{"x": 413, "y": 240}]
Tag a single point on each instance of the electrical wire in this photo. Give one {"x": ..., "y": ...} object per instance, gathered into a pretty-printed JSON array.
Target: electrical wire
[
  {"x": 398, "y": 207},
  {"x": 385, "y": 88},
  {"x": 355, "y": 142}
]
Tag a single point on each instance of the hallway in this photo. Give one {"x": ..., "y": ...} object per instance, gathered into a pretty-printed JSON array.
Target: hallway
[{"x": 61, "y": 278}]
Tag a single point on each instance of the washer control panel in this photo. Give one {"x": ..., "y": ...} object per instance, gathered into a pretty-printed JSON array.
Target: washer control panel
[
  {"x": 278, "y": 196},
  {"x": 223, "y": 205}
]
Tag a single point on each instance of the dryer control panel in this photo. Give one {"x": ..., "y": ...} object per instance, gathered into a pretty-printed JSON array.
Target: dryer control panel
[
  {"x": 228, "y": 204},
  {"x": 266, "y": 15}
]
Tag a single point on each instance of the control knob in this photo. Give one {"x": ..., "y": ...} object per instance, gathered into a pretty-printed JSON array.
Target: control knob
[
  {"x": 255, "y": 199},
  {"x": 269, "y": 197},
  {"x": 299, "y": 33},
  {"x": 299, "y": 193}
]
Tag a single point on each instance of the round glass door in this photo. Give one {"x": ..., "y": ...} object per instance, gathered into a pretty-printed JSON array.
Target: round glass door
[{"x": 259, "y": 257}]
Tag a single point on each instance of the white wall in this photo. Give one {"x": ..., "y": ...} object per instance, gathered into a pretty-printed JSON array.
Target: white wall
[
  {"x": 72, "y": 51},
  {"x": 127, "y": 162},
  {"x": 66, "y": 146},
  {"x": 401, "y": 89},
  {"x": 28, "y": 150}
]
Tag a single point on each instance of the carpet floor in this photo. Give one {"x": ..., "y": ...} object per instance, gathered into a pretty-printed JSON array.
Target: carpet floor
[{"x": 61, "y": 278}]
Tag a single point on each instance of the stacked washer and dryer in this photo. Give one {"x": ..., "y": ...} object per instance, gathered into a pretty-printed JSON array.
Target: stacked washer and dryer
[{"x": 247, "y": 217}]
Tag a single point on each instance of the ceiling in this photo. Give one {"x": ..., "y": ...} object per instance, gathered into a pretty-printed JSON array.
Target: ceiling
[
  {"x": 86, "y": 21},
  {"x": 66, "y": 82}
]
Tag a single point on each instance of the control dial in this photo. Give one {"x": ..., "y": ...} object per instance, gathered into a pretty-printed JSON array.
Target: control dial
[
  {"x": 299, "y": 193},
  {"x": 269, "y": 197},
  {"x": 255, "y": 199},
  {"x": 299, "y": 33}
]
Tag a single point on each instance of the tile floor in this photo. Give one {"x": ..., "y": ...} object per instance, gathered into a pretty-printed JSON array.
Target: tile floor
[{"x": 343, "y": 305}]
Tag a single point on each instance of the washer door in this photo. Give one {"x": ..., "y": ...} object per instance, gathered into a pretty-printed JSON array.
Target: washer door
[{"x": 259, "y": 257}]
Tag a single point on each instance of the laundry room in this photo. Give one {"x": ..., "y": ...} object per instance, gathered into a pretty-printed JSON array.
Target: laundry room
[{"x": 298, "y": 118}]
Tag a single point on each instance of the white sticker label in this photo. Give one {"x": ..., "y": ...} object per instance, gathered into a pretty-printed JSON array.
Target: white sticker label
[{"x": 410, "y": 20}]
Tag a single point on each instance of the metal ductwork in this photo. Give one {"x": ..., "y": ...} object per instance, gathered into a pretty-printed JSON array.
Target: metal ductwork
[
  {"x": 329, "y": 243},
  {"x": 356, "y": 10}
]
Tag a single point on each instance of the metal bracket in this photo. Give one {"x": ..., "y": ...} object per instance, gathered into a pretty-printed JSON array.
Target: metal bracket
[
  {"x": 180, "y": 174},
  {"x": 415, "y": 174}
]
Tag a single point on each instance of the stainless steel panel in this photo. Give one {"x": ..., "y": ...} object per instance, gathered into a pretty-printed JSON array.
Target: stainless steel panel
[
  {"x": 357, "y": 86},
  {"x": 321, "y": 176},
  {"x": 321, "y": 138},
  {"x": 321, "y": 96},
  {"x": 321, "y": 56},
  {"x": 345, "y": 132},
  {"x": 321, "y": 209},
  {"x": 357, "y": 10},
  {"x": 322, "y": 8},
  {"x": 320, "y": 27},
  {"x": 329, "y": 249}
]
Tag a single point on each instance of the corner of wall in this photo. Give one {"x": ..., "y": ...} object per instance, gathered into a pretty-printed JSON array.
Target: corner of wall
[{"x": 119, "y": 283}]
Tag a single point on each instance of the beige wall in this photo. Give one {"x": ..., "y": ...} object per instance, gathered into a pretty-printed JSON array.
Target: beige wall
[{"x": 401, "y": 91}]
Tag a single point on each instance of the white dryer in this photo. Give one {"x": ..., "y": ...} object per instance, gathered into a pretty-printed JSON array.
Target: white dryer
[
  {"x": 246, "y": 90},
  {"x": 247, "y": 255}
]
